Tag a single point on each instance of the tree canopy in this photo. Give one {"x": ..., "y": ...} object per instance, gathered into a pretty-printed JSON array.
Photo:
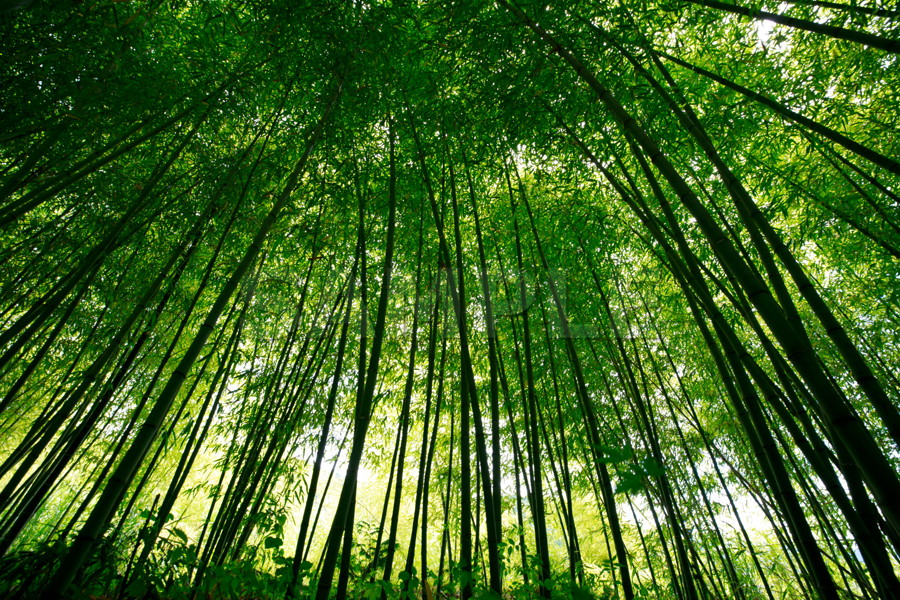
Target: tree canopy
[{"x": 450, "y": 298}]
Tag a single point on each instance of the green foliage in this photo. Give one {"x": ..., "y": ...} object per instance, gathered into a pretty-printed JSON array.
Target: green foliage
[
  {"x": 636, "y": 477},
  {"x": 24, "y": 572},
  {"x": 689, "y": 227}
]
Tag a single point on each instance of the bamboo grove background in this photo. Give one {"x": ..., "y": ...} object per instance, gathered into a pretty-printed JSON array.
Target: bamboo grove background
[{"x": 571, "y": 300}]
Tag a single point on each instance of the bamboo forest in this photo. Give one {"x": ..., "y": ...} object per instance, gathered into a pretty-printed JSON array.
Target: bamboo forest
[{"x": 449, "y": 299}]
